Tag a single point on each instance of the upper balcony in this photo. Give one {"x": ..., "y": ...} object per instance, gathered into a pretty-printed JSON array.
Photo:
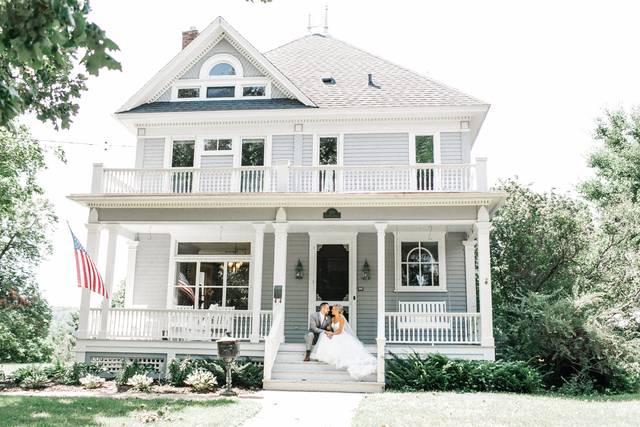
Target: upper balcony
[{"x": 283, "y": 178}]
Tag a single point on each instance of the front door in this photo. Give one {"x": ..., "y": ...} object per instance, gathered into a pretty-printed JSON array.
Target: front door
[{"x": 332, "y": 277}]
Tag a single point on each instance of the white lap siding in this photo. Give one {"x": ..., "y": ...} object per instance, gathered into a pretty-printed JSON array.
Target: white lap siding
[
  {"x": 297, "y": 149},
  {"x": 150, "y": 153},
  {"x": 152, "y": 269}
]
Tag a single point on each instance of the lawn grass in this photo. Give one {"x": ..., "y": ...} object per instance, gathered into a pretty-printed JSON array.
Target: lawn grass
[
  {"x": 494, "y": 409},
  {"x": 100, "y": 411}
]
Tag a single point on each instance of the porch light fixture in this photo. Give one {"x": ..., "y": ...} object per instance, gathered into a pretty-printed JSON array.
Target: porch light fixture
[
  {"x": 366, "y": 271},
  {"x": 299, "y": 269}
]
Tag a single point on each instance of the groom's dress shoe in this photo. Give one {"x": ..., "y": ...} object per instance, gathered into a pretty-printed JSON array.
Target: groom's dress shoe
[{"x": 306, "y": 356}]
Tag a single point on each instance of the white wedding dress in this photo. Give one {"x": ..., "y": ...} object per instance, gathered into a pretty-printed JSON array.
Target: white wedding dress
[{"x": 344, "y": 350}]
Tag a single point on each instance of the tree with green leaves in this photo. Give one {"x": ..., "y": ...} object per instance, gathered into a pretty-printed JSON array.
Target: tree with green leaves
[
  {"x": 549, "y": 294},
  {"x": 26, "y": 220},
  {"x": 42, "y": 43}
]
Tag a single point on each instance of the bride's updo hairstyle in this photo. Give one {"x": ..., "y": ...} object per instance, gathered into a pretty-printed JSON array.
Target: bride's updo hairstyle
[{"x": 339, "y": 308}]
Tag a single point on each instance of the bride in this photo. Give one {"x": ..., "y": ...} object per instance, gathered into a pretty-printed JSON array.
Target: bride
[{"x": 341, "y": 348}]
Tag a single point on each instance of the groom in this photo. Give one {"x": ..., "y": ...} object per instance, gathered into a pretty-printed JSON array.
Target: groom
[{"x": 318, "y": 323}]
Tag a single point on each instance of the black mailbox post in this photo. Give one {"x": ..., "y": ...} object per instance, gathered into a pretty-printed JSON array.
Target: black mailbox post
[{"x": 228, "y": 349}]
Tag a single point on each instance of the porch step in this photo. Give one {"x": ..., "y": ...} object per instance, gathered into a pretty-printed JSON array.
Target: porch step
[
  {"x": 291, "y": 372},
  {"x": 336, "y": 386}
]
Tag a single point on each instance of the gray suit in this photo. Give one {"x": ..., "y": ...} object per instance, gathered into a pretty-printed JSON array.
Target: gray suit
[{"x": 316, "y": 327}]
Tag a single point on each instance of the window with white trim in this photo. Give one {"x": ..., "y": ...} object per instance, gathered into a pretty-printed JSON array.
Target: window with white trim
[
  {"x": 420, "y": 262},
  {"x": 214, "y": 145}
]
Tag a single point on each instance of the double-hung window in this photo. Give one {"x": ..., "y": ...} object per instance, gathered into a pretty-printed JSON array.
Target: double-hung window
[{"x": 420, "y": 262}]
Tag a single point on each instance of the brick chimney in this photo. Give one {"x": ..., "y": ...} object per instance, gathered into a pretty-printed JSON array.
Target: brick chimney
[{"x": 189, "y": 36}]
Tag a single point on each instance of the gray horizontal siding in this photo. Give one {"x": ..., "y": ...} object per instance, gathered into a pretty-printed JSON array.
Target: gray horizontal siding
[
  {"x": 376, "y": 149},
  {"x": 152, "y": 153},
  {"x": 455, "y": 297},
  {"x": 222, "y": 47},
  {"x": 208, "y": 161},
  {"x": 451, "y": 147},
  {"x": 283, "y": 147},
  {"x": 152, "y": 269},
  {"x": 297, "y": 291},
  {"x": 267, "y": 272}
]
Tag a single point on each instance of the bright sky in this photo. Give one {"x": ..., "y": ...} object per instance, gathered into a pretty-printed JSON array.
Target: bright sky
[{"x": 548, "y": 69}]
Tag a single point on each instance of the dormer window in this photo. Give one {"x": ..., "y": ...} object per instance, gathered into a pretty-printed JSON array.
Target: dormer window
[{"x": 222, "y": 69}]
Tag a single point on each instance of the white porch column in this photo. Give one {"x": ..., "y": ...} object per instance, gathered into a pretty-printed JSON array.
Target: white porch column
[
  {"x": 470, "y": 273},
  {"x": 92, "y": 247},
  {"x": 108, "y": 280},
  {"x": 380, "y": 337},
  {"x": 484, "y": 273},
  {"x": 256, "y": 286},
  {"x": 132, "y": 253}
]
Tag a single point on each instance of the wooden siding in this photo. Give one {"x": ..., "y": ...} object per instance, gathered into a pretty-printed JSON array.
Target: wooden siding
[
  {"x": 297, "y": 292},
  {"x": 210, "y": 161},
  {"x": 152, "y": 269},
  {"x": 152, "y": 153},
  {"x": 376, "y": 149},
  {"x": 283, "y": 147},
  {"x": 451, "y": 147}
]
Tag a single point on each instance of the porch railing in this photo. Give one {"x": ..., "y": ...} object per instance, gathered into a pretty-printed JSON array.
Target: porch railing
[
  {"x": 427, "y": 328},
  {"x": 273, "y": 340},
  {"x": 282, "y": 177},
  {"x": 184, "y": 325}
]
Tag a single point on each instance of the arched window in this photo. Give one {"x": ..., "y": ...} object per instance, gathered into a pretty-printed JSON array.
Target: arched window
[
  {"x": 420, "y": 265},
  {"x": 221, "y": 66},
  {"x": 222, "y": 69}
]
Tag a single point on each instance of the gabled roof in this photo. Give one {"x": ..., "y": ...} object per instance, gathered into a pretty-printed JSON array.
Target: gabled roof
[
  {"x": 304, "y": 61},
  {"x": 210, "y": 36}
]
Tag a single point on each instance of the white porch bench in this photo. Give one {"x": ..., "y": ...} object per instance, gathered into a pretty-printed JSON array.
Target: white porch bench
[{"x": 423, "y": 315}]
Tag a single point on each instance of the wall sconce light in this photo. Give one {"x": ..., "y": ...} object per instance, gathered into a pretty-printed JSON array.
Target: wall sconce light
[
  {"x": 299, "y": 269},
  {"x": 366, "y": 271}
]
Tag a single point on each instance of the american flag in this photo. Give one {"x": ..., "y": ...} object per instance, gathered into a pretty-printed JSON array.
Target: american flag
[
  {"x": 88, "y": 275},
  {"x": 185, "y": 287}
]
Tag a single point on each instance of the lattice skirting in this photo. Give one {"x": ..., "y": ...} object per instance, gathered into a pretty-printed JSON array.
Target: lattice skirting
[{"x": 112, "y": 362}]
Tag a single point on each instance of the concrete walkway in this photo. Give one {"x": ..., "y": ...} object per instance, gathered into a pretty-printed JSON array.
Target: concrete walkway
[{"x": 297, "y": 408}]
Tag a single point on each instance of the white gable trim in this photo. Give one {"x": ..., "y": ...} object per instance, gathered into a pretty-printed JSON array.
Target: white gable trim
[{"x": 192, "y": 53}]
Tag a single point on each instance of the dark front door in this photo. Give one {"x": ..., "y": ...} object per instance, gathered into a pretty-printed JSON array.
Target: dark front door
[{"x": 332, "y": 276}]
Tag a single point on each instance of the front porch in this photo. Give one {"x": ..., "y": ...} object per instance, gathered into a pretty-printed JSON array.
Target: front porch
[{"x": 406, "y": 284}]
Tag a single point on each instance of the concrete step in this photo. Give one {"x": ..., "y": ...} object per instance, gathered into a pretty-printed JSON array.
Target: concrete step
[
  {"x": 311, "y": 375},
  {"x": 303, "y": 366},
  {"x": 337, "y": 386}
]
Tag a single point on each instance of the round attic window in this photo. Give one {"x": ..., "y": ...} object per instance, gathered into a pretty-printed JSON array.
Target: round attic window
[{"x": 222, "y": 69}]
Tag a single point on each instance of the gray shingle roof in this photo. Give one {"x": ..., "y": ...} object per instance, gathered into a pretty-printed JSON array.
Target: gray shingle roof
[
  {"x": 226, "y": 105},
  {"x": 305, "y": 60}
]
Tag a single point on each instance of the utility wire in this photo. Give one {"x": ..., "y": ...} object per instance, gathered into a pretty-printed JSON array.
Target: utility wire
[{"x": 106, "y": 143}]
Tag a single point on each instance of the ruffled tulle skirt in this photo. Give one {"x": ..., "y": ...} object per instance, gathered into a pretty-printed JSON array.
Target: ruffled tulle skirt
[{"x": 345, "y": 351}]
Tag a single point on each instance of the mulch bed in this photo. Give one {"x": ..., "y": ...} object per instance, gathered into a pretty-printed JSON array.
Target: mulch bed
[{"x": 110, "y": 390}]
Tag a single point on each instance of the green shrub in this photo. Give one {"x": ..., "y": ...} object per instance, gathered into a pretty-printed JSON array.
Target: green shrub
[
  {"x": 30, "y": 377},
  {"x": 245, "y": 373},
  {"x": 129, "y": 370},
  {"x": 70, "y": 374},
  {"x": 140, "y": 382},
  {"x": 436, "y": 372}
]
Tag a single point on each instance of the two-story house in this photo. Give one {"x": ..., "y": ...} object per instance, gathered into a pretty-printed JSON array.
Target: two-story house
[{"x": 267, "y": 183}]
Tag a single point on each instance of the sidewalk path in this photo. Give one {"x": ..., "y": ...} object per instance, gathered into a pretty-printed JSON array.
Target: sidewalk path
[{"x": 297, "y": 408}]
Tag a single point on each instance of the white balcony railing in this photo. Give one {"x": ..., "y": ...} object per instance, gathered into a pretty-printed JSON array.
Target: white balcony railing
[
  {"x": 293, "y": 179},
  {"x": 436, "y": 328},
  {"x": 184, "y": 325}
]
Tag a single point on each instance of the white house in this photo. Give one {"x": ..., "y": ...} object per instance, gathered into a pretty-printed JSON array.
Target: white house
[{"x": 266, "y": 183}]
